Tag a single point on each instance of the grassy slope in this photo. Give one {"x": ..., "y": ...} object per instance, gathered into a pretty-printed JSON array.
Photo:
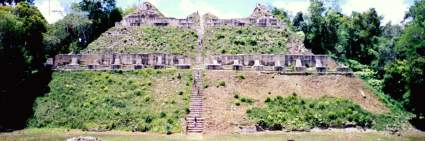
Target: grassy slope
[
  {"x": 115, "y": 100},
  {"x": 146, "y": 39},
  {"x": 238, "y": 40}
]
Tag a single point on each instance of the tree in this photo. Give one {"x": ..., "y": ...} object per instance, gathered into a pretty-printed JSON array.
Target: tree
[
  {"x": 34, "y": 26},
  {"x": 22, "y": 57},
  {"x": 410, "y": 49},
  {"x": 5, "y": 2},
  {"x": 61, "y": 34},
  {"x": 298, "y": 20},
  {"x": 102, "y": 13},
  {"x": 281, "y": 15},
  {"x": 314, "y": 28}
]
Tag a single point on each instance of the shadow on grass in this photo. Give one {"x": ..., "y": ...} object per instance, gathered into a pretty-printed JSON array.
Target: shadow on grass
[{"x": 16, "y": 104}]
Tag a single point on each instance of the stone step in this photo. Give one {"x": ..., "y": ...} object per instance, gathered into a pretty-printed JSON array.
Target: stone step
[
  {"x": 194, "y": 131},
  {"x": 194, "y": 115},
  {"x": 194, "y": 125},
  {"x": 195, "y": 128},
  {"x": 196, "y": 109},
  {"x": 197, "y": 118},
  {"x": 196, "y": 100}
]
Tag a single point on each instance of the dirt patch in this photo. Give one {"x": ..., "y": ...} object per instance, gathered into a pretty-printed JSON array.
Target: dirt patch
[{"x": 224, "y": 116}]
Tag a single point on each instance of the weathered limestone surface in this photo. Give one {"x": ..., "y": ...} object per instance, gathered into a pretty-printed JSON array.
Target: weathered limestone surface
[
  {"x": 260, "y": 17},
  {"x": 147, "y": 14},
  {"x": 118, "y": 61}
]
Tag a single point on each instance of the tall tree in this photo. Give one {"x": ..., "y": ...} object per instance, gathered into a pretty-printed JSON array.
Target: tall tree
[
  {"x": 102, "y": 13},
  {"x": 22, "y": 57},
  {"x": 406, "y": 83},
  {"x": 5, "y": 2},
  {"x": 315, "y": 27},
  {"x": 298, "y": 20}
]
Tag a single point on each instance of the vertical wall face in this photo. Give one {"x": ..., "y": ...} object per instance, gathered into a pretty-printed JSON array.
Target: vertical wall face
[{"x": 168, "y": 59}]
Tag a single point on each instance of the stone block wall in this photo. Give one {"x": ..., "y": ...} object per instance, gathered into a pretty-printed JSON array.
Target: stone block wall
[
  {"x": 268, "y": 59},
  {"x": 124, "y": 59}
]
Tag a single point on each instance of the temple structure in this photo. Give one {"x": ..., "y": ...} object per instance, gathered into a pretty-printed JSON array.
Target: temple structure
[
  {"x": 261, "y": 17},
  {"x": 147, "y": 14}
]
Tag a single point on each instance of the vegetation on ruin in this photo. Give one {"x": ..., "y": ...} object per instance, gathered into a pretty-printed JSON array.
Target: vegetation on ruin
[
  {"x": 240, "y": 40},
  {"x": 146, "y": 39},
  {"x": 242, "y": 99},
  {"x": 295, "y": 113},
  {"x": 115, "y": 100}
]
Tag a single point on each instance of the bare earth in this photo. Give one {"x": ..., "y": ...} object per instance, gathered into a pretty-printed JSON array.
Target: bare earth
[{"x": 224, "y": 116}]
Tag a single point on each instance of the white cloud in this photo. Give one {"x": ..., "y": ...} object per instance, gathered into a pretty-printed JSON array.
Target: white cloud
[
  {"x": 51, "y": 13},
  {"x": 293, "y": 6},
  {"x": 392, "y": 10},
  {"x": 190, "y": 6}
]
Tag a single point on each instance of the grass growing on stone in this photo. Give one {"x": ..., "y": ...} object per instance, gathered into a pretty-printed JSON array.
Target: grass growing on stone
[
  {"x": 294, "y": 113},
  {"x": 146, "y": 39},
  {"x": 145, "y": 100},
  {"x": 239, "y": 40}
]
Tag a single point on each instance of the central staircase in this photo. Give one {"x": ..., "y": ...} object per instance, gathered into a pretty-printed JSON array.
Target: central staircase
[{"x": 194, "y": 120}]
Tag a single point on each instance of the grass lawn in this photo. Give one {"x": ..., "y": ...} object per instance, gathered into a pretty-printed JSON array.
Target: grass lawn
[{"x": 35, "y": 134}]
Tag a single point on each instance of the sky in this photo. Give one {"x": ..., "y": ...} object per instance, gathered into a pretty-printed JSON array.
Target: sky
[{"x": 392, "y": 10}]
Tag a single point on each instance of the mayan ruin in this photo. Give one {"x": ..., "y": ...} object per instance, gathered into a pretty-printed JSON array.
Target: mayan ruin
[
  {"x": 148, "y": 15},
  {"x": 207, "y": 70}
]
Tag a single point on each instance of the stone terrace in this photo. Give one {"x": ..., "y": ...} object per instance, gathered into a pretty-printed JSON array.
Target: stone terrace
[{"x": 283, "y": 63}]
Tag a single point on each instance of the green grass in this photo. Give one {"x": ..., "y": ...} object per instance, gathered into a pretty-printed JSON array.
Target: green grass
[
  {"x": 146, "y": 39},
  {"x": 63, "y": 134},
  {"x": 239, "y": 40},
  {"x": 115, "y": 100},
  {"x": 294, "y": 113}
]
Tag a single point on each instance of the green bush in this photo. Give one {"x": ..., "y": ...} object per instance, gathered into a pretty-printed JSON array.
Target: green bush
[
  {"x": 294, "y": 113},
  {"x": 241, "y": 77},
  {"x": 240, "y": 99},
  {"x": 221, "y": 83}
]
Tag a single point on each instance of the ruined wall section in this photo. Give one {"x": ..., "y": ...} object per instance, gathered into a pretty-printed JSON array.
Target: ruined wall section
[{"x": 149, "y": 15}]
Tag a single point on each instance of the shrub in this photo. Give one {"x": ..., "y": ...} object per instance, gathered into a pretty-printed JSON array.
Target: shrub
[
  {"x": 294, "y": 113},
  {"x": 241, "y": 77},
  {"x": 162, "y": 114},
  {"x": 221, "y": 83}
]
